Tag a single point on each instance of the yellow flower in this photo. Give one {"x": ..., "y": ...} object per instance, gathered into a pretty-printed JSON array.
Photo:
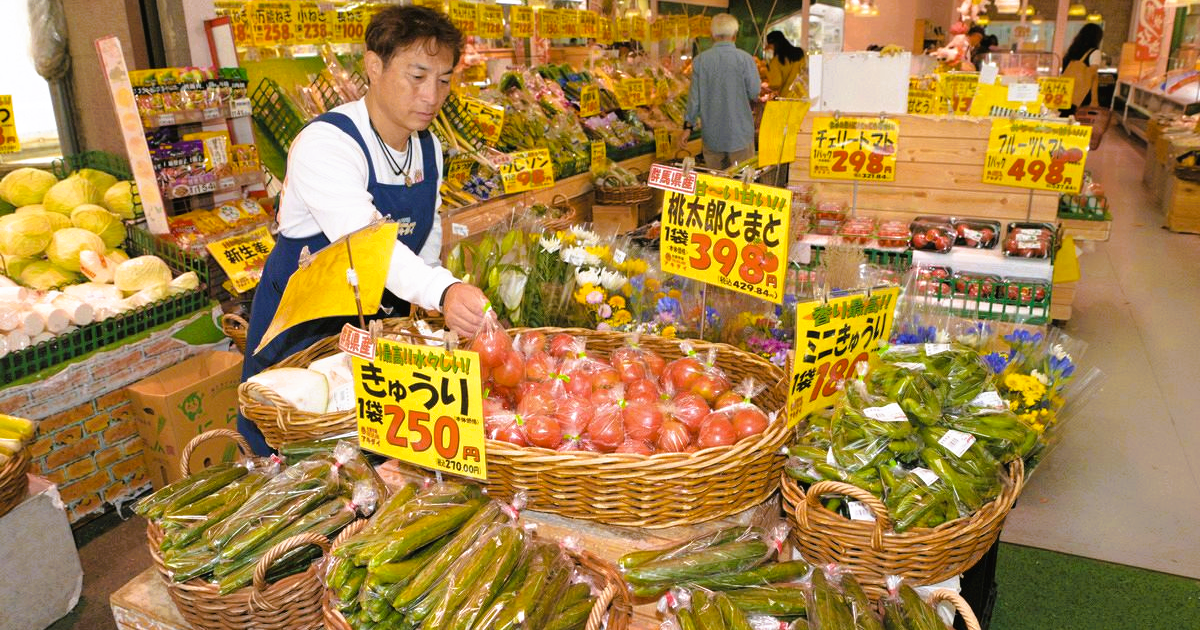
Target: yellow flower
[
  {"x": 669, "y": 332},
  {"x": 660, "y": 295},
  {"x": 582, "y": 293},
  {"x": 620, "y": 318},
  {"x": 1039, "y": 427},
  {"x": 675, "y": 293},
  {"x": 567, "y": 238},
  {"x": 627, "y": 289},
  {"x": 652, "y": 284},
  {"x": 616, "y": 302}
]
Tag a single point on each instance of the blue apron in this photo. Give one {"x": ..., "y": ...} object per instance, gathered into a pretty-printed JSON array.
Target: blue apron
[{"x": 410, "y": 205}]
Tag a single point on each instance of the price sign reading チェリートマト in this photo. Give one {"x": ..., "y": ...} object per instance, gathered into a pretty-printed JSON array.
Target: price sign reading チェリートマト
[
  {"x": 1038, "y": 155},
  {"x": 8, "y": 127},
  {"x": 1056, "y": 91},
  {"x": 528, "y": 170},
  {"x": 831, "y": 338},
  {"x": 243, "y": 256},
  {"x": 422, "y": 405},
  {"x": 728, "y": 234},
  {"x": 854, "y": 148}
]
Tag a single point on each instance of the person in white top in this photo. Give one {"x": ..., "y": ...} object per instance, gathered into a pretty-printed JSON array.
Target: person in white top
[{"x": 361, "y": 161}]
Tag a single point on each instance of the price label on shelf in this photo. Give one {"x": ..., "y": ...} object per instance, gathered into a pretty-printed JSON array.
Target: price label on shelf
[
  {"x": 854, "y": 148},
  {"x": 728, "y": 234},
  {"x": 491, "y": 21},
  {"x": 272, "y": 23},
  {"x": 239, "y": 21},
  {"x": 662, "y": 144},
  {"x": 528, "y": 170},
  {"x": 463, "y": 15},
  {"x": 422, "y": 405},
  {"x": 520, "y": 21},
  {"x": 599, "y": 156},
  {"x": 922, "y": 101},
  {"x": 959, "y": 89},
  {"x": 639, "y": 28},
  {"x": 548, "y": 26},
  {"x": 568, "y": 20},
  {"x": 633, "y": 93},
  {"x": 488, "y": 117},
  {"x": 831, "y": 339},
  {"x": 1056, "y": 91},
  {"x": 589, "y": 101},
  {"x": 459, "y": 169},
  {"x": 310, "y": 24},
  {"x": 349, "y": 25},
  {"x": 589, "y": 24},
  {"x": 243, "y": 256},
  {"x": 700, "y": 25},
  {"x": 621, "y": 29},
  {"x": 1037, "y": 154},
  {"x": 604, "y": 30},
  {"x": 240, "y": 107},
  {"x": 9, "y": 143}
]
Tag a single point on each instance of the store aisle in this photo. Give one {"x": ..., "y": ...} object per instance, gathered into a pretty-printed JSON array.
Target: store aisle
[{"x": 1125, "y": 484}]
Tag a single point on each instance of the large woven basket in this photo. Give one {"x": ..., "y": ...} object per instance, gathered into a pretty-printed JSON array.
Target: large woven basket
[
  {"x": 960, "y": 605},
  {"x": 873, "y": 551},
  {"x": 235, "y": 327},
  {"x": 621, "y": 195},
  {"x": 569, "y": 217},
  {"x": 14, "y": 482},
  {"x": 652, "y": 491}
]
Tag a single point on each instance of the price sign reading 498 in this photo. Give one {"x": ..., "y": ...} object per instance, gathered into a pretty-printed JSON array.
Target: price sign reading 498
[
  {"x": 854, "y": 148},
  {"x": 1038, "y": 155},
  {"x": 422, "y": 405},
  {"x": 728, "y": 234}
]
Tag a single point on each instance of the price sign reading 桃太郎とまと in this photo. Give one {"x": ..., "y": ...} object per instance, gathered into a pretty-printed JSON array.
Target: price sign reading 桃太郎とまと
[
  {"x": 831, "y": 338},
  {"x": 243, "y": 257},
  {"x": 728, "y": 234},
  {"x": 8, "y": 126},
  {"x": 854, "y": 148},
  {"x": 528, "y": 170},
  {"x": 1037, "y": 154},
  {"x": 422, "y": 405}
]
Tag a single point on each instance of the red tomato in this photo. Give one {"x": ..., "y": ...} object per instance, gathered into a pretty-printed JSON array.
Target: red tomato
[
  {"x": 562, "y": 345},
  {"x": 511, "y": 371},
  {"x": 673, "y": 437},
  {"x": 493, "y": 406},
  {"x": 605, "y": 378},
  {"x": 710, "y": 386},
  {"x": 492, "y": 345},
  {"x": 989, "y": 236},
  {"x": 606, "y": 430},
  {"x": 728, "y": 399},
  {"x": 543, "y": 431},
  {"x": 654, "y": 363},
  {"x": 602, "y": 397},
  {"x": 919, "y": 241},
  {"x": 539, "y": 366},
  {"x": 689, "y": 409},
  {"x": 579, "y": 383},
  {"x": 640, "y": 447},
  {"x": 682, "y": 373},
  {"x": 537, "y": 401},
  {"x": 512, "y": 434},
  {"x": 532, "y": 342},
  {"x": 642, "y": 421},
  {"x": 749, "y": 421},
  {"x": 574, "y": 414},
  {"x": 644, "y": 391},
  {"x": 716, "y": 430},
  {"x": 628, "y": 364}
]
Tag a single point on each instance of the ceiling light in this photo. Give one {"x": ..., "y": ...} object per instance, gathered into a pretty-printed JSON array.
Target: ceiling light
[
  {"x": 1007, "y": 6},
  {"x": 1095, "y": 17},
  {"x": 1077, "y": 10},
  {"x": 1030, "y": 10}
]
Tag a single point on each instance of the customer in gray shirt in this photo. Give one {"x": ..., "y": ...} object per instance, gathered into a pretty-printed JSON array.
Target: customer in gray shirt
[{"x": 724, "y": 81}]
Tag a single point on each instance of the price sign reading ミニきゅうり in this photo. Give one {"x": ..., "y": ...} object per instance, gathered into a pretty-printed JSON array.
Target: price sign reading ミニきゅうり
[
  {"x": 1036, "y": 154},
  {"x": 854, "y": 148},
  {"x": 831, "y": 338},
  {"x": 422, "y": 405},
  {"x": 528, "y": 170},
  {"x": 728, "y": 234}
]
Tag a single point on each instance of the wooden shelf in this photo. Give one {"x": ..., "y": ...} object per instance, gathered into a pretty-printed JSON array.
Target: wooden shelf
[
  {"x": 225, "y": 184},
  {"x": 239, "y": 108}
]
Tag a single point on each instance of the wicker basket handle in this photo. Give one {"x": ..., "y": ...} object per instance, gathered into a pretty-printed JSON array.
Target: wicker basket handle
[
  {"x": 960, "y": 604},
  {"x": 817, "y": 491},
  {"x": 258, "y": 598},
  {"x": 554, "y": 201},
  {"x": 234, "y": 321},
  {"x": 599, "y": 610},
  {"x": 350, "y": 530},
  {"x": 194, "y": 443}
]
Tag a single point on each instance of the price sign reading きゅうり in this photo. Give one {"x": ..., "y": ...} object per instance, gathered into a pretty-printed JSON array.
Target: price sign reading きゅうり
[
  {"x": 528, "y": 170},
  {"x": 1038, "y": 155},
  {"x": 854, "y": 148},
  {"x": 831, "y": 338},
  {"x": 8, "y": 126},
  {"x": 422, "y": 405},
  {"x": 728, "y": 234}
]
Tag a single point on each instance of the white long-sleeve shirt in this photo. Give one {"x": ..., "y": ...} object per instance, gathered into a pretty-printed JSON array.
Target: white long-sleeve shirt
[{"x": 326, "y": 191}]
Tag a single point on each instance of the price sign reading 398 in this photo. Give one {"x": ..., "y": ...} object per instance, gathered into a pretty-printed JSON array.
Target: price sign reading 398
[
  {"x": 1039, "y": 155},
  {"x": 854, "y": 148},
  {"x": 422, "y": 405}
]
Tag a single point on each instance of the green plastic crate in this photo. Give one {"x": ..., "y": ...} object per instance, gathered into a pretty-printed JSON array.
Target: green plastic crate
[{"x": 276, "y": 113}]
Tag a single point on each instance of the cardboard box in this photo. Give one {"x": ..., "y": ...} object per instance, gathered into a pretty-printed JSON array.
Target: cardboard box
[
  {"x": 618, "y": 219},
  {"x": 37, "y": 550},
  {"x": 181, "y": 402}
]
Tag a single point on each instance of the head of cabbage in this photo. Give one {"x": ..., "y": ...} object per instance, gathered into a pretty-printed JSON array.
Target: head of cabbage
[
  {"x": 12, "y": 266},
  {"x": 26, "y": 186},
  {"x": 25, "y": 235},
  {"x": 73, "y": 191},
  {"x": 44, "y": 275},
  {"x": 101, "y": 222},
  {"x": 140, "y": 273},
  {"x": 101, "y": 180},
  {"x": 67, "y": 243},
  {"x": 118, "y": 199},
  {"x": 57, "y": 221}
]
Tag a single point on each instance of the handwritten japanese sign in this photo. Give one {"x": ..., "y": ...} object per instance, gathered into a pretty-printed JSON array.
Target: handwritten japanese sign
[
  {"x": 672, "y": 179},
  {"x": 1038, "y": 155},
  {"x": 464, "y": 15},
  {"x": 422, "y": 405},
  {"x": 520, "y": 21},
  {"x": 589, "y": 101},
  {"x": 831, "y": 338},
  {"x": 922, "y": 101},
  {"x": 589, "y": 24},
  {"x": 310, "y": 24},
  {"x": 458, "y": 169},
  {"x": 599, "y": 156},
  {"x": 1056, "y": 91},
  {"x": 350, "y": 25},
  {"x": 728, "y": 234},
  {"x": 548, "y": 25},
  {"x": 639, "y": 29},
  {"x": 1150, "y": 21},
  {"x": 528, "y": 170},
  {"x": 9, "y": 143},
  {"x": 243, "y": 256},
  {"x": 700, "y": 25},
  {"x": 272, "y": 23},
  {"x": 656, "y": 29},
  {"x": 490, "y": 18},
  {"x": 488, "y": 116},
  {"x": 604, "y": 30},
  {"x": 633, "y": 93},
  {"x": 568, "y": 21},
  {"x": 959, "y": 88},
  {"x": 854, "y": 148},
  {"x": 239, "y": 21}
]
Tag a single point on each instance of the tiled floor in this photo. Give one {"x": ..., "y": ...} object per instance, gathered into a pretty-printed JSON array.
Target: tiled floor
[{"x": 1124, "y": 486}]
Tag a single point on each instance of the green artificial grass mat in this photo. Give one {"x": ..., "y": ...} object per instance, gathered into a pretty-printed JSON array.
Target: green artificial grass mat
[{"x": 1044, "y": 590}]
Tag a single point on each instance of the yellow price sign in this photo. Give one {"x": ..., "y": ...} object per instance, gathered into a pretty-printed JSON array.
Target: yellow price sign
[
  {"x": 589, "y": 101},
  {"x": 656, "y": 30},
  {"x": 639, "y": 28},
  {"x": 9, "y": 143},
  {"x": 422, "y": 405},
  {"x": 488, "y": 116},
  {"x": 568, "y": 20},
  {"x": 349, "y": 25},
  {"x": 243, "y": 256},
  {"x": 491, "y": 21},
  {"x": 310, "y": 24},
  {"x": 272, "y": 23},
  {"x": 780, "y": 128},
  {"x": 662, "y": 144},
  {"x": 589, "y": 24},
  {"x": 854, "y": 148},
  {"x": 1056, "y": 91},
  {"x": 528, "y": 170},
  {"x": 599, "y": 156},
  {"x": 621, "y": 29},
  {"x": 458, "y": 169},
  {"x": 728, "y": 234},
  {"x": 604, "y": 30},
  {"x": 1036, "y": 154},
  {"x": 633, "y": 93},
  {"x": 239, "y": 21},
  {"x": 959, "y": 89},
  {"x": 922, "y": 101},
  {"x": 463, "y": 15},
  {"x": 548, "y": 26},
  {"x": 832, "y": 338},
  {"x": 520, "y": 21},
  {"x": 700, "y": 26}
]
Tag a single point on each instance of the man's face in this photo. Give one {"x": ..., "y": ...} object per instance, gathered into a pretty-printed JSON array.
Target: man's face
[
  {"x": 975, "y": 39},
  {"x": 412, "y": 86}
]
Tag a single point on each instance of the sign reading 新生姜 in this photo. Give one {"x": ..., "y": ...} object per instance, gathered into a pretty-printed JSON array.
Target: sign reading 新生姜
[
  {"x": 728, "y": 234},
  {"x": 9, "y": 143},
  {"x": 854, "y": 148},
  {"x": 528, "y": 170},
  {"x": 1039, "y": 155},
  {"x": 243, "y": 256},
  {"x": 422, "y": 405},
  {"x": 831, "y": 338}
]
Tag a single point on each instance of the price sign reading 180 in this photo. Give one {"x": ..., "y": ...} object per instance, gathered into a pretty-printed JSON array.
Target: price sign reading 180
[
  {"x": 422, "y": 405},
  {"x": 854, "y": 148},
  {"x": 1037, "y": 155}
]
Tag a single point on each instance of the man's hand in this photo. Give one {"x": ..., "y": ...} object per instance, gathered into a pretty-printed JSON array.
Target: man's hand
[
  {"x": 463, "y": 308},
  {"x": 683, "y": 140}
]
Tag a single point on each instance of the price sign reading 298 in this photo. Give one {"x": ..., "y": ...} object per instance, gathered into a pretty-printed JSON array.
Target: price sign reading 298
[
  {"x": 854, "y": 148},
  {"x": 422, "y": 405}
]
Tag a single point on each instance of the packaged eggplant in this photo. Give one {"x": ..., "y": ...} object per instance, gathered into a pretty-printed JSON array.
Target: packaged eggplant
[
  {"x": 935, "y": 234},
  {"x": 976, "y": 233},
  {"x": 1029, "y": 240}
]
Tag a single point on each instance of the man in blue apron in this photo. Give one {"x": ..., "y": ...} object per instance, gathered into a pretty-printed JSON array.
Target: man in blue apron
[{"x": 369, "y": 158}]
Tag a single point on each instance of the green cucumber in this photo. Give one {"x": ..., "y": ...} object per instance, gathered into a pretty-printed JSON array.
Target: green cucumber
[
  {"x": 779, "y": 600},
  {"x": 434, "y": 610},
  {"x": 437, "y": 568},
  {"x": 573, "y": 617},
  {"x": 425, "y": 530},
  {"x": 475, "y": 598},
  {"x": 719, "y": 537},
  {"x": 727, "y": 558},
  {"x": 735, "y": 619}
]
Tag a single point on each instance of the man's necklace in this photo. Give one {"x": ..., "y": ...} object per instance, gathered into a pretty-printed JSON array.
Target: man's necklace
[{"x": 393, "y": 165}]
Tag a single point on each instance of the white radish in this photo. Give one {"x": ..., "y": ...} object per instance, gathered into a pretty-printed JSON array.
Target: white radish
[
  {"x": 9, "y": 318},
  {"x": 56, "y": 318},
  {"x": 28, "y": 322},
  {"x": 17, "y": 341},
  {"x": 46, "y": 336},
  {"x": 81, "y": 313},
  {"x": 3, "y": 346},
  {"x": 14, "y": 294}
]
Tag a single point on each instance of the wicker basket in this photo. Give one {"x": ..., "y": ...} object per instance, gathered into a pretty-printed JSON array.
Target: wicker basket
[
  {"x": 569, "y": 217},
  {"x": 235, "y": 327},
  {"x": 14, "y": 482},
  {"x": 960, "y": 605},
  {"x": 872, "y": 551},
  {"x": 651, "y": 491},
  {"x": 621, "y": 195}
]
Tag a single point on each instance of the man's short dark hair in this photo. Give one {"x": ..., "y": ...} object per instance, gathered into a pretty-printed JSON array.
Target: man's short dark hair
[{"x": 398, "y": 27}]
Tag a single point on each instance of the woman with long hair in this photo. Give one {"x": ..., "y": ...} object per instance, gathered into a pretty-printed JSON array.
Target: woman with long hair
[
  {"x": 785, "y": 63},
  {"x": 1084, "y": 53}
]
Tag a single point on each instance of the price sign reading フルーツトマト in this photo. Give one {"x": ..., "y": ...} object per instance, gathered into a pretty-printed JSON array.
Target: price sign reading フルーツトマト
[
  {"x": 1036, "y": 154},
  {"x": 488, "y": 117},
  {"x": 854, "y": 148},
  {"x": 1056, "y": 91},
  {"x": 8, "y": 126},
  {"x": 520, "y": 21},
  {"x": 728, "y": 234},
  {"x": 528, "y": 170},
  {"x": 422, "y": 405},
  {"x": 243, "y": 256},
  {"x": 831, "y": 338},
  {"x": 589, "y": 101}
]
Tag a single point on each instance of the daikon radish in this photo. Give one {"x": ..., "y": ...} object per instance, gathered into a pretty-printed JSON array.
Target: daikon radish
[
  {"x": 39, "y": 338},
  {"x": 5, "y": 281},
  {"x": 56, "y": 318},
  {"x": 81, "y": 313},
  {"x": 3, "y": 346},
  {"x": 306, "y": 390},
  {"x": 9, "y": 318},
  {"x": 14, "y": 294},
  {"x": 17, "y": 341},
  {"x": 24, "y": 319}
]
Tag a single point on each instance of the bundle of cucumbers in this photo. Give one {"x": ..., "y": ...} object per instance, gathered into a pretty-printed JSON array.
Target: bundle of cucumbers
[
  {"x": 924, "y": 430},
  {"x": 219, "y": 522},
  {"x": 448, "y": 557}
]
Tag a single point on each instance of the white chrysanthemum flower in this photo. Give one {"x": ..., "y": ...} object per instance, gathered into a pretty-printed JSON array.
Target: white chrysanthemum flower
[
  {"x": 584, "y": 275},
  {"x": 550, "y": 245},
  {"x": 611, "y": 280},
  {"x": 943, "y": 336},
  {"x": 1042, "y": 378},
  {"x": 1059, "y": 352},
  {"x": 585, "y": 237}
]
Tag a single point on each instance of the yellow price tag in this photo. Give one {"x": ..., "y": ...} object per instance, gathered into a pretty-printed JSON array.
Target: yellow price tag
[
  {"x": 589, "y": 24},
  {"x": 9, "y": 143},
  {"x": 272, "y": 23},
  {"x": 840, "y": 334},
  {"x": 463, "y": 15},
  {"x": 1039, "y": 155},
  {"x": 662, "y": 144},
  {"x": 922, "y": 101},
  {"x": 700, "y": 26},
  {"x": 639, "y": 28},
  {"x": 632, "y": 93},
  {"x": 604, "y": 30},
  {"x": 779, "y": 130},
  {"x": 729, "y": 235},
  {"x": 599, "y": 156},
  {"x": 656, "y": 30},
  {"x": 568, "y": 20},
  {"x": 239, "y": 21},
  {"x": 520, "y": 21},
  {"x": 349, "y": 25},
  {"x": 854, "y": 148},
  {"x": 621, "y": 29},
  {"x": 1056, "y": 91},
  {"x": 992, "y": 100},
  {"x": 528, "y": 170},
  {"x": 589, "y": 101},
  {"x": 243, "y": 256},
  {"x": 422, "y": 405},
  {"x": 491, "y": 21},
  {"x": 310, "y": 24},
  {"x": 458, "y": 169},
  {"x": 488, "y": 116},
  {"x": 959, "y": 89}
]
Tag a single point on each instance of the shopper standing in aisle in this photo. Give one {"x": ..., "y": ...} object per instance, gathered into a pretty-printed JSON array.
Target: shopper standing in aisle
[
  {"x": 361, "y": 161},
  {"x": 785, "y": 65},
  {"x": 724, "y": 82},
  {"x": 1082, "y": 62}
]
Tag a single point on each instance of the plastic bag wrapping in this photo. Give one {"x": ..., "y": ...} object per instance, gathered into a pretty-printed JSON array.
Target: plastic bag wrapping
[
  {"x": 468, "y": 588},
  {"x": 189, "y": 488},
  {"x": 353, "y": 470},
  {"x": 837, "y": 600},
  {"x": 48, "y": 38},
  {"x": 211, "y": 508},
  {"x": 727, "y": 551},
  {"x": 904, "y": 605}
]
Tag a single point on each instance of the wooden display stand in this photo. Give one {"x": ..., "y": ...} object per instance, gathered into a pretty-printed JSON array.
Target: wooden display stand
[
  {"x": 1085, "y": 230},
  {"x": 1182, "y": 205},
  {"x": 143, "y": 604}
]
